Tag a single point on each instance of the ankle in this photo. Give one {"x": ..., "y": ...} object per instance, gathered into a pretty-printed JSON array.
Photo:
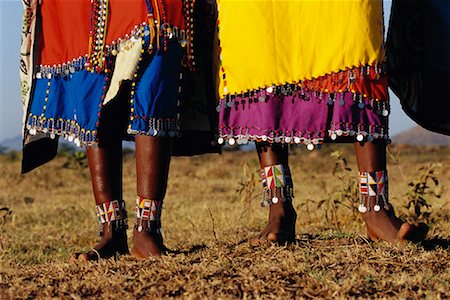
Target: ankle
[
  {"x": 112, "y": 219},
  {"x": 281, "y": 208}
]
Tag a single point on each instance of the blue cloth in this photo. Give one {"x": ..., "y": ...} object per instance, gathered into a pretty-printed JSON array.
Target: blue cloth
[
  {"x": 73, "y": 100},
  {"x": 156, "y": 97},
  {"x": 71, "y": 105}
]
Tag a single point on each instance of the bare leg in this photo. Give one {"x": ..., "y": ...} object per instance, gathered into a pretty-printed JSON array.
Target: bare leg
[
  {"x": 383, "y": 225},
  {"x": 105, "y": 164},
  {"x": 282, "y": 215},
  {"x": 152, "y": 167}
]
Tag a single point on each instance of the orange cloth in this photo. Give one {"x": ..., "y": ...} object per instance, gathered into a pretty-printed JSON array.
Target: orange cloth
[{"x": 66, "y": 25}]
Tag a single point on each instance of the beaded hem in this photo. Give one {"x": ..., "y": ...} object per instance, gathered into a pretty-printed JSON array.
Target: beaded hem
[
  {"x": 159, "y": 127},
  {"x": 337, "y": 114},
  {"x": 311, "y": 139},
  {"x": 68, "y": 129},
  {"x": 381, "y": 108},
  {"x": 73, "y": 132},
  {"x": 361, "y": 81}
]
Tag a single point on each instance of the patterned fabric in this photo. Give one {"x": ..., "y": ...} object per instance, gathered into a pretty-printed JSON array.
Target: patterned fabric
[
  {"x": 148, "y": 213},
  {"x": 27, "y": 52},
  {"x": 276, "y": 178},
  {"x": 80, "y": 65},
  {"x": 71, "y": 85},
  {"x": 317, "y": 71},
  {"x": 373, "y": 184},
  {"x": 69, "y": 106}
]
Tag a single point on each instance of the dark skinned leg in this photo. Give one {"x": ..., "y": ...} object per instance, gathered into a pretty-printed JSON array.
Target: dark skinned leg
[
  {"x": 282, "y": 215},
  {"x": 105, "y": 165},
  {"x": 152, "y": 168},
  {"x": 383, "y": 225}
]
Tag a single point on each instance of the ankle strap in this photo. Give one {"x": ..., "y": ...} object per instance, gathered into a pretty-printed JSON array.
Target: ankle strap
[
  {"x": 276, "y": 178},
  {"x": 112, "y": 213},
  {"x": 148, "y": 214},
  {"x": 373, "y": 184}
]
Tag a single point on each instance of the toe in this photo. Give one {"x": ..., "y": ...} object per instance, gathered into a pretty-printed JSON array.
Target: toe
[
  {"x": 273, "y": 237},
  {"x": 83, "y": 257}
]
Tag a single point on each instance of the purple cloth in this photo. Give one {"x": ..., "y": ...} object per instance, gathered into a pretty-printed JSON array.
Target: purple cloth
[{"x": 307, "y": 118}]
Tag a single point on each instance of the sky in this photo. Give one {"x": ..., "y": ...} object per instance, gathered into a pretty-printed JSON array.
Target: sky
[{"x": 10, "y": 104}]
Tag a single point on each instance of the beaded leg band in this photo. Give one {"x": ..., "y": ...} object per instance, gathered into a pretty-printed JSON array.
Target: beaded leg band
[
  {"x": 276, "y": 178},
  {"x": 112, "y": 213},
  {"x": 148, "y": 215},
  {"x": 373, "y": 184}
]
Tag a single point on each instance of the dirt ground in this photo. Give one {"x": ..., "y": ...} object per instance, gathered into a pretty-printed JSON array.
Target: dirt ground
[{"x": 211, "y": 211}]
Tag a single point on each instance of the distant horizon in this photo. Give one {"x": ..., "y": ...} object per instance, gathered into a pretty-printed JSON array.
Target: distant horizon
[{"x": 10, "y": 104}]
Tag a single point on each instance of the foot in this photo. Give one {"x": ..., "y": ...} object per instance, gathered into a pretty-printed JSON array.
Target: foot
[
  {"x": 113, "y": 242},
  {"x": 281, "y": 226},
  {"x": 147, "y": 244},
  {"x": 384, "y": 225}
]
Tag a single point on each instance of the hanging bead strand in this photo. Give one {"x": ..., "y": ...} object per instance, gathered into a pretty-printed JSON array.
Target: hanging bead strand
[{"x": 97, "y": 36}]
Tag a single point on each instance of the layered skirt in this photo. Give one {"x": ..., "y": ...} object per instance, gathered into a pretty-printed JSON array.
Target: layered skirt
[
  {"x": 111, "y": 68},
  {"x": 88, "y": 50},
  {"x": 302, "y": 72}
]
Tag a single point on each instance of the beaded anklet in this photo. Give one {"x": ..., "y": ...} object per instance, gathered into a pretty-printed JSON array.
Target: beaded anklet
[
  {"x": 148, "y": 215},
  {"x": 112, "y": 213},
  {"x": 274, "y": 178},
  {"x": 373, "y": 184}
]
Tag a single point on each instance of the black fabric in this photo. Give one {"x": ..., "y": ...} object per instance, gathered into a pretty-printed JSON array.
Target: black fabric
[
  {"x": 418, "y": 60},
  {"x": 200, "y": 84},
  {"x": 195, "y": 143},
  {"x": 37, "y": 153},
  {"x": 114, "y": 118}
]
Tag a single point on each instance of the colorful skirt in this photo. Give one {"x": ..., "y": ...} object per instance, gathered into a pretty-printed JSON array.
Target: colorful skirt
[
  {"x": 87, "y": 51},
  {"x": 302, "y": 72}
]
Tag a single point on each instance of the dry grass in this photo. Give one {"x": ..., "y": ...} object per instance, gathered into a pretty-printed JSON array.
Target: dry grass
[{"x": 208, "y": 224}]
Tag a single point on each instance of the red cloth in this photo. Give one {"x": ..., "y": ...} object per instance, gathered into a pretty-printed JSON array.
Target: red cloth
[{"x": 66, "y": 25}]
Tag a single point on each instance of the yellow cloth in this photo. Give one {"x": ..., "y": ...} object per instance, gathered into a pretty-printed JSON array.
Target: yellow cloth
[{"x": 274, "y": 42}]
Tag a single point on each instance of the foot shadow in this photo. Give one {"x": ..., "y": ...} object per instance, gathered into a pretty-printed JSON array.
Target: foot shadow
[
  {"x": 309, "y": 237},
  {"x": 193, "y": 249},
  {"x": 436, "y": 243}
]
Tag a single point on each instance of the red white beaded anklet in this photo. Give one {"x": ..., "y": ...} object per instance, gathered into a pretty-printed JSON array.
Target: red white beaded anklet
[
  {"x": 148, "y": 215},
  {"x": 112, "y": 213},
  {"x": 276, "y": 178},
  {"x": 373, "y": 184}
]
